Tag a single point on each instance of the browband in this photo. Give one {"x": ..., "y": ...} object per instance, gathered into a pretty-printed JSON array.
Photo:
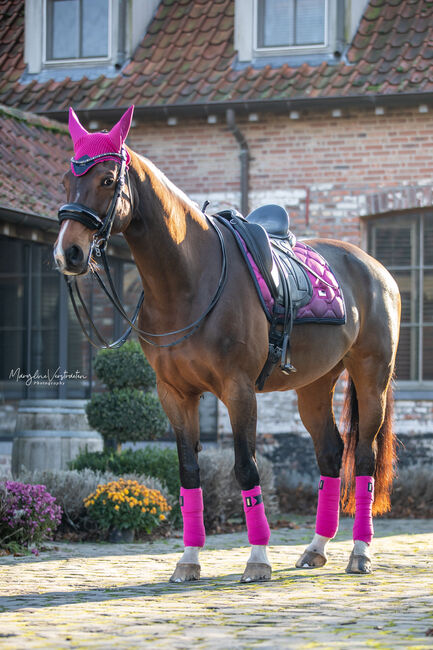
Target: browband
[{"x": 84, "y": 160}]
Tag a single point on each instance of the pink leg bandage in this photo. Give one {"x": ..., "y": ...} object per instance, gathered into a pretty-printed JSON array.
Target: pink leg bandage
[
  {"x": 328, "y": 506},
  {"x": 364, "y": 496},
  {"x": 257, "y": 524},
  {"x": 191, "y": 505}
]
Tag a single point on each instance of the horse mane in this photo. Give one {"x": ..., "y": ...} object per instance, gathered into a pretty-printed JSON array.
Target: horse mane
[{"x": 178, "y": 207}]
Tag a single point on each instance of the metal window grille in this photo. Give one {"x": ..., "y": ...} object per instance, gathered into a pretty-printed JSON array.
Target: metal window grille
[{"x": 404, "y": 244}]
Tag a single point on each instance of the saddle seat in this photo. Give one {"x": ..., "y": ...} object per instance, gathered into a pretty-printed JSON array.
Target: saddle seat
[{"x": 275, "y": 220}]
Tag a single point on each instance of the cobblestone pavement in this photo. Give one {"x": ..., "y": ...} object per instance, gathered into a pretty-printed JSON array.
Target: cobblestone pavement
[{"x": 117, "y": 596}]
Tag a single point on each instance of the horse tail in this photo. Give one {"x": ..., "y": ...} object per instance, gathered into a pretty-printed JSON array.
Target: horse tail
[{"x": 386, "y": 455}]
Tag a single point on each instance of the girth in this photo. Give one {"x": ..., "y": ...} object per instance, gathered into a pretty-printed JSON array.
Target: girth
[{"x": 283, "y": 273}]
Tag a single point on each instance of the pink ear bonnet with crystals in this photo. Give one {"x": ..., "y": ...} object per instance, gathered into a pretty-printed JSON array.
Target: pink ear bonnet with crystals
[{"x": 92, "y": 148}]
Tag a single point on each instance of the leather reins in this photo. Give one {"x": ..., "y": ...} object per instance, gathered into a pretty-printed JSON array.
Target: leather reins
[{"x": 91, "y": 220}]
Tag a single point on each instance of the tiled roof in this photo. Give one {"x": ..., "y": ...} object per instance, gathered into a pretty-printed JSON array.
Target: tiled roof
[
  {"x": 34, "y": 154},
  {"x": 187, "y": 57}
]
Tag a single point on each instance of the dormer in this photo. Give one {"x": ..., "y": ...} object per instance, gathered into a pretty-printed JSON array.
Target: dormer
[{"x": 82, "y": 37}]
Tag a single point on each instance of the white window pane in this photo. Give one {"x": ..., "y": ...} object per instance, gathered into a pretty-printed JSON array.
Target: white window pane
[
  {"x": 277, "y": 22},
  {"x": 94, "y": 28},
  {"x": 310, "y": 22},
  {"x": 64, "y": 26}
]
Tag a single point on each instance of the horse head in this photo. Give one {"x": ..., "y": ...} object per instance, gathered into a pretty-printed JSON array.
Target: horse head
[{"x": 99, "y": 198}]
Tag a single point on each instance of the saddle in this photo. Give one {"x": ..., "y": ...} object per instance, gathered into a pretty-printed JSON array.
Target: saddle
[{"x": 267, "y": 237}]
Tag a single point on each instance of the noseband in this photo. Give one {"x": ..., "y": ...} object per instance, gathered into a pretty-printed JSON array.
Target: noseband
[{"x": 91, "y": 220}]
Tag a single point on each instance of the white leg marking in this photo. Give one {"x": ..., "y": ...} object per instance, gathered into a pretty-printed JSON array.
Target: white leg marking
[
  {"x": 259, "y": 555},
  {"x": 318, "y": 545},
  {"x": 361, "y": 548},
  {"x": 190, "y": 555}
]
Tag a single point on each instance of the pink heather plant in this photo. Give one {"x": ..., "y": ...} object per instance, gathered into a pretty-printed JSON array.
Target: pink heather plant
[{"x": 28, "y": 514}]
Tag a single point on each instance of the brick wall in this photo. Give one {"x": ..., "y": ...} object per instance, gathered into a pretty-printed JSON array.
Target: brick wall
[{"x": 352, "y": 166}]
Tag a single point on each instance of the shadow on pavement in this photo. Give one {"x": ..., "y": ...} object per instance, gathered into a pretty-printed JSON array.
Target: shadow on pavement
[{"x": 229, "y": 582}]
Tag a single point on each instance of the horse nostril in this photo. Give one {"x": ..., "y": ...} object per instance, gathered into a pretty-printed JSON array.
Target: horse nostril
[{"x": 74, "y": 255}]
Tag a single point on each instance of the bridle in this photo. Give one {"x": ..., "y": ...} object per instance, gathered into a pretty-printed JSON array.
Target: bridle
[{"x": 91, "y": 220}]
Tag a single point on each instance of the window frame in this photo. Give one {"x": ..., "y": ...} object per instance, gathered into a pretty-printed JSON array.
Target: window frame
[
  {"x": 290, "y": 49},
  {"x": 419, "y": 387},
  {"x": 46, "y": 62}
]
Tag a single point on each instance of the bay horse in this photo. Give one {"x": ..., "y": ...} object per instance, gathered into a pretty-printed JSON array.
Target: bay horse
[{"x": 179, "y": 255}]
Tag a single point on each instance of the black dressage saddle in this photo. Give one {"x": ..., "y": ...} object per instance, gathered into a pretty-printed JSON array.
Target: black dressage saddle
[{"x": 268, "y": 238}]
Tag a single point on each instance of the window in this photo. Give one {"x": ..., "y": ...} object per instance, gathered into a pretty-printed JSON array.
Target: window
[
  {"x": 77, "y": 29},
  {"x": 404, "y": 244},
  {"x": 291, "y": 23},
  {"x": 38, "y": 327}
]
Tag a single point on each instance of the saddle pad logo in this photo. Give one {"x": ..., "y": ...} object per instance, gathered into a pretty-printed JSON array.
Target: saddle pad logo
[
  {"x": 370, "y": 487},
  {"x": 181, "y": 501},
  {"x": 321, "y": 483}
]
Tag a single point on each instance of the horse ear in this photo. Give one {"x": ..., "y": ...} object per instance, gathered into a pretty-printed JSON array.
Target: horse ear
[
  {"x": 120, "y": 131},
  {"x": 76, "y": 130}
]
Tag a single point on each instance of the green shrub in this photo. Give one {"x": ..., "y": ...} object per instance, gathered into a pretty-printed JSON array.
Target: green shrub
[
  {"x": 124, "y": 367},
  {"x": 127, "y": 414},
  {"x": 130, "y": 410}
]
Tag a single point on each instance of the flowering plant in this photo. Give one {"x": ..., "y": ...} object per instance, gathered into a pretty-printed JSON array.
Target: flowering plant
[
  {"x": 29, "y": 514},
  {"x": 125, "y": 504}
]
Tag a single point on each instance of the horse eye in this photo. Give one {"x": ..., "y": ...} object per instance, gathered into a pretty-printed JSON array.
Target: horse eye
[{"x": 108, "y": 181}]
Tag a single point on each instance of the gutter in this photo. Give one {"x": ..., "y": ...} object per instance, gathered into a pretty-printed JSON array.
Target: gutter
[
  {"x": 244, "y": 157},
  {"x": 282, "y": 106}
]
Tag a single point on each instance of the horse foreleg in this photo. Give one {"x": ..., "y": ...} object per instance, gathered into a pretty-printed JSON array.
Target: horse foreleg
[
  {"x": 182, "y": 411},
  {"x": 316, "y": 411},
  {"x": 240, "y": 400}
]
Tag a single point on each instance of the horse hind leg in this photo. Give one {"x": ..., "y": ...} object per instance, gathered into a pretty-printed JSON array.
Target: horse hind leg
[
  {"x": 370, "y": 456},
  {"x": 316, "y": 411}
]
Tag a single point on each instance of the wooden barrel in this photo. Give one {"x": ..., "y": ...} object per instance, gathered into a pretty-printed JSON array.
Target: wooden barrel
[{"x": 50, "y": 433}]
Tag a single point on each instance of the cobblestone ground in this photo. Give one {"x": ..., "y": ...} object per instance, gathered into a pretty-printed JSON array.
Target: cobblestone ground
[{"x": 117, "y": 596}]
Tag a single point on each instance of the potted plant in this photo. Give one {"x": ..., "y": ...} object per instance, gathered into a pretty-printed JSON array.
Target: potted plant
[{"x": 123, "y": 507}]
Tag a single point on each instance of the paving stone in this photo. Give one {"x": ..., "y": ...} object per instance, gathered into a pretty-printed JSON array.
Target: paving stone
[{"x": 118, "y": 596}]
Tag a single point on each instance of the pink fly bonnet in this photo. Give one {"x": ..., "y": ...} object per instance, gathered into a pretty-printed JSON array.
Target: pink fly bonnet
[{"x": 92, "y": 148}]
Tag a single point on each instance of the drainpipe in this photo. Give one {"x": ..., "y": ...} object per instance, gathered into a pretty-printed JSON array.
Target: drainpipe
[{"x": 244, "y": 157}]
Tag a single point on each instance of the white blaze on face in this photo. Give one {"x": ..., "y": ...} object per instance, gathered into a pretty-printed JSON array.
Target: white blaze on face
[{"x": 59, "y": 254}]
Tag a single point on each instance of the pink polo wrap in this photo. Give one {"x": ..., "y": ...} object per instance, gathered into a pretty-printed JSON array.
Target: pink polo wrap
[
  {"x": 191, "y": 505},
  {"x": 328, "y": 506},
  {"x": 94, "y": 144},
  {"x": 364, "y": 497},
  {"x": 257, "y": 524}
]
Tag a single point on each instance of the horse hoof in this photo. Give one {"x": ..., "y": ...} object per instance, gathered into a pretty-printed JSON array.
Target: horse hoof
[
  {"x": 185, "y": 572},
  {"x": 256, "y": 572},
  {"x": 311, "y": 560},
  {"x": 358, "y": 564}
]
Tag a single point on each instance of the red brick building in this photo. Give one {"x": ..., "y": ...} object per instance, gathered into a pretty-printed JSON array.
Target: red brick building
[{"x": 326, "y": 108}]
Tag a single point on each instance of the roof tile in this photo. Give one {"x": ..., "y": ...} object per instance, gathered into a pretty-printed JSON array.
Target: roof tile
[
  {"x": 33, "y": 148},
  {"x": 188, "y": 56}
]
